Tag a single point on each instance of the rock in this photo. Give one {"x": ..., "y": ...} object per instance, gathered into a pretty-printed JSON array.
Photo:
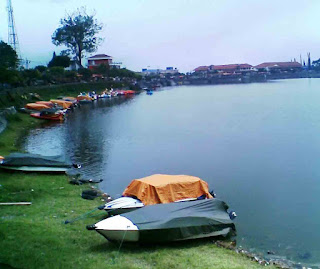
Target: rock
[
  {"x": 75, "y": 182},
  {"x": 270, "y": 252},
  {"x": 226, "y": 244}
]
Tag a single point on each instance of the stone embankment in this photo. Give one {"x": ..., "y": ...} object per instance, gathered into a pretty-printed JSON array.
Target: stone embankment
[{"x": 3, "y": 115}]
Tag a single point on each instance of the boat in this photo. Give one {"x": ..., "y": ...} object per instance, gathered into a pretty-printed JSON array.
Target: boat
[
  {"x": 36, "y": 106},
  {"x": 70, "y": 99},
  {"x": 83, "y": 99},
  {"x": 64, "y": 104},
  {"x": 28, "y": 162},
  {"x": 49, "y": 114},
  {"x": 168, "y": 222},
  {"x": 105, "y": 94},
  {"x": 158, "y": 189},
  {"x": 47, "y": 103}
]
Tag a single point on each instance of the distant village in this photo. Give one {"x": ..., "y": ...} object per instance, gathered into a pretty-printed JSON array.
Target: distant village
[{"x": 213, "y": 74}]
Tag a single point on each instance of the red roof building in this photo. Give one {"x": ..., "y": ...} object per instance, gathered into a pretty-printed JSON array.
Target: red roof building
[
  {"x": 227, "y": 68},
  {"x": 231, "y": 68},
  {"x": 279, "y": 65},
  {"x": 99, "y": 59},
  {"x": 202, "y": 68}
]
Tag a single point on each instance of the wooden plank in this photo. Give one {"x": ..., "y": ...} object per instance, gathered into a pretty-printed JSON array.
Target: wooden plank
[{"x": 16, "y": 203}]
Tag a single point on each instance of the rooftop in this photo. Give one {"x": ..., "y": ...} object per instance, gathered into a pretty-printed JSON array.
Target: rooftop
[
  {"x": 99, "y": 56},
  {"x": 278, "y": 64}
]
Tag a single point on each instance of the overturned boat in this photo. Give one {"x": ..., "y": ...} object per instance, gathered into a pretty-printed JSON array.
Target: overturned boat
[
  {"x": 168, "y": 222},
  {"x": 158, "y": 189},
  {"x": 36, "y": 163}
]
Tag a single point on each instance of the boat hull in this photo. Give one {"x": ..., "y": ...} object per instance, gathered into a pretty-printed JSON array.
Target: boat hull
[
  {"x": 56, "y": 117},
  {"x": 41, "y": 169},
  {"x": 163, "y": 235},
  {"x": 169, "y": 222}
]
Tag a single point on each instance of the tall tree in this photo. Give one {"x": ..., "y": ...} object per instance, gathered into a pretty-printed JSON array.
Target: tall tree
[
  {"x": 8, "y": 56},
  {"x": 78, "y": 32}
]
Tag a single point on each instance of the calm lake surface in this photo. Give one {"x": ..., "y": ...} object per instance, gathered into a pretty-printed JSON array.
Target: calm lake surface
[{"x": 257, "y": 145}]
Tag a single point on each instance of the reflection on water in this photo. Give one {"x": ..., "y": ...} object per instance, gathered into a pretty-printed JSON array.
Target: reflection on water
[{"x": 257, "y": 145}]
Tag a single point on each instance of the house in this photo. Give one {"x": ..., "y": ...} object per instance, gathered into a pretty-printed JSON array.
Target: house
[
  {"x": 226, "y": 68},
  {"x": 279, "y": 66},
  {"x": 99, "y": 59},
  {"x": 202, "y": 68},
  {"x": 232, "y": 68}
]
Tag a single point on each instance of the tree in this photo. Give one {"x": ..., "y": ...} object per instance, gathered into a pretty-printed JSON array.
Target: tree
[
  {"x": 102, "y": 69},
  {"x": 41, "y": 68},
  {"x": 85, "y": 73},
  {"x": 62, "y": 61},
  {"x": 8, "y": 56},
  {"x": 316, "y": 64},
  {"x": 78, "y": 32}
]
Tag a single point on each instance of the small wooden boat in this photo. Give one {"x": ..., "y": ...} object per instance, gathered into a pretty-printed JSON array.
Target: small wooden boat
[
  {"x": 168, "y": 222},
  {"x": 49, "y": 114},
  {"x": 36, "y": 106},
  {"x": 62, "y": 103},
  {"x": 47, "y": 103}
]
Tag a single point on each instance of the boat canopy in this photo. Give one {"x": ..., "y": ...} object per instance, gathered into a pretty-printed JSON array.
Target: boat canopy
[
  {"x": 178, "y": 221},
  {"x": 156, "y": 189},
  {"x": 27, "y": 159}
]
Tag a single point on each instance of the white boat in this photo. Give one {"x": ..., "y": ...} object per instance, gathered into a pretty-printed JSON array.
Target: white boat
[
  {"x": 168, "y": 222},
  {"x": 122, "y": 205}
]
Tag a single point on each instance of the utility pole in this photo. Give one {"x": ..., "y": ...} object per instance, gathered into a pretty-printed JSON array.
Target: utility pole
[
  {"x": 27, "y": 63},
  {"x": 12, "y": 32}
]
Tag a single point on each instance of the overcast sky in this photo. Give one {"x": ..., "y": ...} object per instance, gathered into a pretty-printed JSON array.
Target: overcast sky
[{"x": 178, "y": 33}]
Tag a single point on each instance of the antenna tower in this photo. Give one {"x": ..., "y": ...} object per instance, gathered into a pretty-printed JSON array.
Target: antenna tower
[{"x": 12, "y": 32}]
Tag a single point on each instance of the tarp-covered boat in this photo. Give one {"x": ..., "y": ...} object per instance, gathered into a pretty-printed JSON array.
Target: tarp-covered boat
[
  {"x": 35, "y": 163},
  {"x": 47, "y": 103},
  {"x": 168, "y": 222},
  {"x": 158, "y": 189},
  {"x": 36, "y": 106}
]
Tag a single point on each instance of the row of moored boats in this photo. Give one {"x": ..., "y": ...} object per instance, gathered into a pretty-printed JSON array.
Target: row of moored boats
[{"x": 56, "y": 109}]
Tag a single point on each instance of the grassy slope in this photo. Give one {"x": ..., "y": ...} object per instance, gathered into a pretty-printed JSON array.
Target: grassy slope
[{"x": 36, "y": 237}]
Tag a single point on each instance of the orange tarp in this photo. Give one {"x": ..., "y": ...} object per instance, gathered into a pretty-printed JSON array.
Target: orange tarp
[
  {"x": 35, "y": 106},
  {"x": 157, "y": 189},
  {"x": 47, "y": 103},
  {"x": 63, "y": 104}
]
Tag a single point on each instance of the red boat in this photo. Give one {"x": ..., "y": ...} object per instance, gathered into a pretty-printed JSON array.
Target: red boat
[{"x": 49, "y": 114}]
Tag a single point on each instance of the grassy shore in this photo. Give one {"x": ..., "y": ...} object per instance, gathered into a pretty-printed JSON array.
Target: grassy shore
[{"x": 36, "y": 236}]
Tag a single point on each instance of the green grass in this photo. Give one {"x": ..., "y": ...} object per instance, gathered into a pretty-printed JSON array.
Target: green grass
[{"x": 36, "y": 236}]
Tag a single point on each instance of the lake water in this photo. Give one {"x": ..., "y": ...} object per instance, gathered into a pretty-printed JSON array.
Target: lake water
[{"x": 257, "y": 145}]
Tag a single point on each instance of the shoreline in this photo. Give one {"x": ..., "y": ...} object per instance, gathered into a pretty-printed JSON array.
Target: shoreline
[{"x": 85, "y": 204}]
